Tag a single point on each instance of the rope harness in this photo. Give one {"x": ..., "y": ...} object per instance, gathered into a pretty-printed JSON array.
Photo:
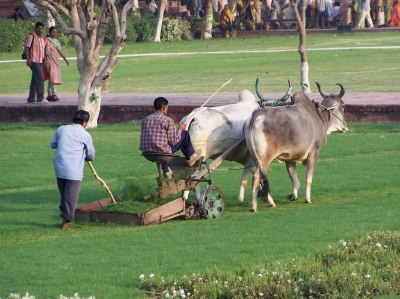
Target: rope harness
[{"x": 327, "y": 118}]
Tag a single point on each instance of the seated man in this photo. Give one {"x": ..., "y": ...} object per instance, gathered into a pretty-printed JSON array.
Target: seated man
[{"x": 160, "y": 136}]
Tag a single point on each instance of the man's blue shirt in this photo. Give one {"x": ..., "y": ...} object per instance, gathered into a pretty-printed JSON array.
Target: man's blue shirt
[{"x": 72, "y": 144}]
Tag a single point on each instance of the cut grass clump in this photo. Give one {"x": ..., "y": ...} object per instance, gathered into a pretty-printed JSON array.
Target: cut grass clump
[
  {"x": 354, "y": 269},
  {"x": 134, "y": 198}
]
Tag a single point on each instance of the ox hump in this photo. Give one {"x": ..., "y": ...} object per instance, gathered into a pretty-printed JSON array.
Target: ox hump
[
  {"x": 247, "y": 96},
  {"x": 300, "y": 98}
]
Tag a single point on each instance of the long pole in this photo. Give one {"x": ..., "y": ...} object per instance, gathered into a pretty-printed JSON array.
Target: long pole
[
  {"x": 101, "y": 181},
  {"x": 191, "y": 117}
]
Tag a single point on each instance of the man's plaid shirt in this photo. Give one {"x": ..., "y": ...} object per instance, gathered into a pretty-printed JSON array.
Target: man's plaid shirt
[{"x": 158, "y": 134}]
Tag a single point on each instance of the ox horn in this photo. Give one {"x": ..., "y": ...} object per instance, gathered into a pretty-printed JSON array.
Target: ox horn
[
  {"x": 286, "y": 96},
  {"x": 258, "y": 92},
  {"x": 342, "y": 90},
  {"x": 320, "y": 91},
  {"x": 272, "y": 102}
]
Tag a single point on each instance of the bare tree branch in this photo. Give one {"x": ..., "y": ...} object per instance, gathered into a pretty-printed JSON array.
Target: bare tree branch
[{"x": 55, "y": 14}]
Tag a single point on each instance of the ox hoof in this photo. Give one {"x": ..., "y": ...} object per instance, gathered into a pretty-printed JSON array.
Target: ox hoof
[
  {"x": 291, "y": 197},
  {"x": 272, "y": 206},
  {"x": 307, "y": 201},
  {"x": 253, "y": 210}
]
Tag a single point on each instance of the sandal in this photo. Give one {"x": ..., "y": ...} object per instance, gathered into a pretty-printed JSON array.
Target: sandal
[{"x": 53, "y": 98}]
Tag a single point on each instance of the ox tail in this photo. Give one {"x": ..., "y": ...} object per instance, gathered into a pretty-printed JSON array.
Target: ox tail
[
  {"x": 264, "y": 184},
  {"x": 264, "y": 187}
]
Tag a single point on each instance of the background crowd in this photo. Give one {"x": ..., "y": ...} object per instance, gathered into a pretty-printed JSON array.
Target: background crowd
[{"x": 279, "y": 14}]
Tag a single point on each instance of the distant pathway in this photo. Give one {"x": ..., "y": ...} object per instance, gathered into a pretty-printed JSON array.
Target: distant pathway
[{"x": 234, "y": 52}]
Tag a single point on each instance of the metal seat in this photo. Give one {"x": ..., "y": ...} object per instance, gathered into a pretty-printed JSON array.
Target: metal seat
[{"x": 158, "y": 158}]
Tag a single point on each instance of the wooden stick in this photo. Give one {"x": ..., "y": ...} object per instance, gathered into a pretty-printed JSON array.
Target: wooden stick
[
  {"x": 210, "y": 98},
  {"x": 101, "y": 181},
  {"x": 218, "y": 161}
]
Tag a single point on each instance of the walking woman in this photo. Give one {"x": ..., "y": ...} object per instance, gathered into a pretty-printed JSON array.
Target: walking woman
[{"x": 51, "y": 68}]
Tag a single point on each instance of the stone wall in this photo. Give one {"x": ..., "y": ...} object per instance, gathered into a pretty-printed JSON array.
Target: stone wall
[{"x": 125, "y": 113}]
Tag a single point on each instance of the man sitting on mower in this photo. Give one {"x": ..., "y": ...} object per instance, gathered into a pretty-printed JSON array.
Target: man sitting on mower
[{"x": 159, "y": 135}]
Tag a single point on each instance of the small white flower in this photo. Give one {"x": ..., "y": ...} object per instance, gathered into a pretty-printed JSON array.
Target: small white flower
[
  {"x": 289, "y": 281},
  {"x": 216, "y": 281},
  {"x": 188, "y": 293},
  {"x": 260, "y": 294},
  {"x": 344, "y": 243},
  {"x": 368, "y": 237},
  {"x": 167, "y": 295},
  {"x": 200, "y": 278},
  {"x": 274, "y": 273},
  {"x": 141, "y": 276},
  {"x": 174, "y": 292},
  {"x": 182, "y": 292},
  {"x": 329, "y": 247},
  {"x": 367, "y": 276},
  {"x": 240, "y": 279},
  {"x": 378, "y": 245},
  {"x": 260, "y": 275},
  {"x": 353, "y": 273}
]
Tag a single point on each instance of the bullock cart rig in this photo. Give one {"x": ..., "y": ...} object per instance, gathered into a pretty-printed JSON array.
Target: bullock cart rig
[{"x": 210, "y": 204}]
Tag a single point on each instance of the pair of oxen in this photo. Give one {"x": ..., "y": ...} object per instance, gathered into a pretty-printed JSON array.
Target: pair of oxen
[{"x": 290, "y": 132}]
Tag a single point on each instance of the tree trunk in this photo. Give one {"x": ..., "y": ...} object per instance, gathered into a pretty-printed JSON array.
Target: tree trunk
[
  {"x": 89, "y": 99},
  {"x": 301, "y": 21},
  {"x": 160, "y": 16},
  {"x": 208, "y": 9}
]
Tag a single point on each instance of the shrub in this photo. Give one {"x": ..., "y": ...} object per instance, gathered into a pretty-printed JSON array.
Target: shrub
[
  {"x": 139, "y": 27},
  {"x": 12, "y": 35},
  {"x": 145, "y": 26},
  {"x": 354, "y": 269},
  {"x": 175, "y": 28}
]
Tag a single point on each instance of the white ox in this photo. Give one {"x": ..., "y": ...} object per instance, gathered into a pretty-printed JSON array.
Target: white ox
[{"x": 215, "y": 129}]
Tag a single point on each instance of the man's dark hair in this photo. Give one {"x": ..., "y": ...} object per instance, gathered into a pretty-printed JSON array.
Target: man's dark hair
[
  {"x": 39, "y": 24},
  {"x": 80, "y": 117},
  {"x": 159, "y": 103}
]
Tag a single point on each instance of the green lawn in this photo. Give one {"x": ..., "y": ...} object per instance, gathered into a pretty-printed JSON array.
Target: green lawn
[
  {"x": 355, "y": 192},
  {"x": 360, "y": 70}
]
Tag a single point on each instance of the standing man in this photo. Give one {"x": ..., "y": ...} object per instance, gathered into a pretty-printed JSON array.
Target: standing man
[
  {"x": 365, "y": 14},
  {"x": 160, "y": 136},
  {"x": 380, "y": 17},
  {"x": 35, "y": 52},
  {"x": 73, "y": 146}
]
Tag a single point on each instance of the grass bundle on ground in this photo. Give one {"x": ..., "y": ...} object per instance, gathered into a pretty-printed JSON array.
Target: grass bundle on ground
[{"x": 134, "y": 197}]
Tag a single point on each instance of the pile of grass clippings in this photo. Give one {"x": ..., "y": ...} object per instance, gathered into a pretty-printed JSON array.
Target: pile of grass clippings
[{"x": 134, "y": 198}]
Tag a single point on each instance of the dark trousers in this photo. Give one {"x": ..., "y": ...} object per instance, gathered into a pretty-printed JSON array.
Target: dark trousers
[
  {"x": 185, "y": 145},
  {"x": 36, "y": 89},
  {"x": 320, "y": 19},
  {"x": 69, "y": 191}
]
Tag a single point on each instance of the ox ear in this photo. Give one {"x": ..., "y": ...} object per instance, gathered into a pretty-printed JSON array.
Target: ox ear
[{"x": 333, "y": 106}]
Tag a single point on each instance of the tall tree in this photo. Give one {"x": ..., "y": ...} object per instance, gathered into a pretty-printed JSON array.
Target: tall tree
[
  {"x": 160, "y": 17},
  {"x": 301, "y": 21},
  {"x": 88, "y": 30},
  {"x": 208, "y": 9}
]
